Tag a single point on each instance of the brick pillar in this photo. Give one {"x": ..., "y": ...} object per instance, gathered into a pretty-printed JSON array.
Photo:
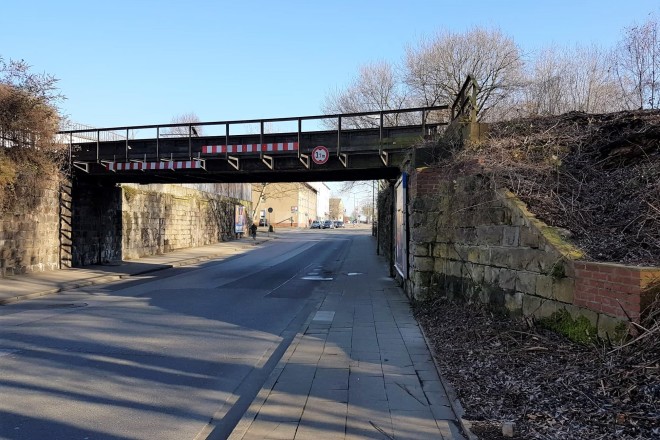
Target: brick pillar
[{"x": 613, "y": 289}]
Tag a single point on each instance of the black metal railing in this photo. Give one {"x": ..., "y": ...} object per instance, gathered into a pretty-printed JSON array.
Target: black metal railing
[
  {"x": 190, "y": 127},
  {"x": 464, "y": 108}
]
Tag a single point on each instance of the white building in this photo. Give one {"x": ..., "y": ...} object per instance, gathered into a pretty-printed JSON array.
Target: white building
[{"x": 322, "y": 201}]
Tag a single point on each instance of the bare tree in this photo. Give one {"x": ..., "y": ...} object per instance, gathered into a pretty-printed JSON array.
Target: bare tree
[
  {"x": 591, "y": 86},
  {"x": 637, "y": 64},
  {"x": 376, "y": 88},
  {"x": 29, "y": 120},
  {"x": 569, "y": 79},
  {"x": 28, "y": 106},
  {"x": 186, "y": 126},
  {"x": 545, "y": 88},
  {"x": 436, "y": 68}
]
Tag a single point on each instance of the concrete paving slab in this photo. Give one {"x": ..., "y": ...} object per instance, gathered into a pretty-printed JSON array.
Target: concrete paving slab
[
  {"x": 283, "y": 407},
  {"x": 272, "y": 430},
  {"x": 415, "y": 425}
]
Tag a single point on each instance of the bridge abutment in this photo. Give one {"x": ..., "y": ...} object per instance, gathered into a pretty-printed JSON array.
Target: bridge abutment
[{"x": 96, "y": 223}]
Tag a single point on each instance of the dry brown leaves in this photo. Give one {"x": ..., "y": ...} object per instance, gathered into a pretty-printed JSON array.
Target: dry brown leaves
[
  {"x": 598, "y": 176},
  {"x": 503, "y": 370}
]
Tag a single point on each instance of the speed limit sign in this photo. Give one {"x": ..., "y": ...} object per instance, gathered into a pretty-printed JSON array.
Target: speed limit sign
[{"x": 320, "y": 155}]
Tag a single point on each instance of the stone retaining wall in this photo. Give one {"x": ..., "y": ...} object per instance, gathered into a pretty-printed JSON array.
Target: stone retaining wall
[
  {"x": 106, "y": 223},
  {"x": 29, "y": 233},
  {"x": 158, "y": 219},
  {"x": 469, "y": 241}
]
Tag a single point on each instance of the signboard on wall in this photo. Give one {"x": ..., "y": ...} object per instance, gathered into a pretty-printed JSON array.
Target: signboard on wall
[
  {"x": 400, "y": 226},
  {"x": 240, "y": 219}
]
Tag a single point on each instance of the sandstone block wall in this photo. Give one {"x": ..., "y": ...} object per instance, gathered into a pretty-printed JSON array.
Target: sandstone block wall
[
  {"x": 158, "y": 219},
  {"x": 93, "y": 223},
  {"x": 29, "y": 233},
  {"x": 469, "y": 241}
]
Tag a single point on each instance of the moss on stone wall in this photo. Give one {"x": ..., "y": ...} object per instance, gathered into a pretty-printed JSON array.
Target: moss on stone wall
[
  {"x": 579, "y": 330},
  {"x": 552, "y": 235}
]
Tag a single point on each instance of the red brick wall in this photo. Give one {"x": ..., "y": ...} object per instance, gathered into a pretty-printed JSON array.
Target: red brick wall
[
  {"x": 613, "y": 289},
  {"x": 424, "y": 182}
]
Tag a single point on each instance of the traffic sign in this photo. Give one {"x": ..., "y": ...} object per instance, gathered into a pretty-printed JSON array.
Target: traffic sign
[{"x": 320, "y": 155}]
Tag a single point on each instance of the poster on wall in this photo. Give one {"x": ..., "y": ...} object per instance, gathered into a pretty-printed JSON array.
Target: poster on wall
[
  {"x": 400, "y": 226},
  {"x": 240, "y": 219}
]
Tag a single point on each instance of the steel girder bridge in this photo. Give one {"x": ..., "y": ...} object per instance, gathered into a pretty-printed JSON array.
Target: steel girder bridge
[{"x": 358, "y": 146}]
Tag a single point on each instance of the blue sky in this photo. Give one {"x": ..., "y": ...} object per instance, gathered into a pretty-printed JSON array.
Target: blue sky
[
  {"x": 141, "y": 62},
  {"x": 135, "y": 62}
]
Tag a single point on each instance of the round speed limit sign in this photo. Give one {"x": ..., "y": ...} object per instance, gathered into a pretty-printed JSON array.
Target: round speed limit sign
[{"x": 320, "y": 155}]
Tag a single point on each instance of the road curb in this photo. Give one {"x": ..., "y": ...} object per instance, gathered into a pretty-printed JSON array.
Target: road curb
[
  {"x": 104, "y": 279},
  {"x": 451, "y": 393}
]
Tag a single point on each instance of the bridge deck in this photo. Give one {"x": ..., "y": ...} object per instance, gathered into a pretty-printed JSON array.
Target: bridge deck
[{"x": 355, "y": 154}]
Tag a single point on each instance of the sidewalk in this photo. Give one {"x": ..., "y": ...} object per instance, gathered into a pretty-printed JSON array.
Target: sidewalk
[
  {"x": 358, "y": 369},
  {"x": 20, "y": 287}
]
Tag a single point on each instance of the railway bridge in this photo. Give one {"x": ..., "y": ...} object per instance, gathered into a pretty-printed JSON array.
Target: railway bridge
[
  {"x": 359, "y": 146},
  {"x": 342, "y": 147}
]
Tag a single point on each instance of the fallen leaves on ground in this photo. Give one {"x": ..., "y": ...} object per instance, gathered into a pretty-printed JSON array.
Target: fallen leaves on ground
[{"x": 504, "y": 370}]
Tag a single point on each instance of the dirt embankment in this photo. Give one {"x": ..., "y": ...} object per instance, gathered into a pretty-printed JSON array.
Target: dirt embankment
[{"x": 596, "y": 176}]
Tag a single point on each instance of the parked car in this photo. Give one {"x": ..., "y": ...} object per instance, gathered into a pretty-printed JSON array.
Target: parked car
[
  {"x": 339, "y": 224},
  {"x": 328, "y": 224},
  {"x": 315, "y": 225}
]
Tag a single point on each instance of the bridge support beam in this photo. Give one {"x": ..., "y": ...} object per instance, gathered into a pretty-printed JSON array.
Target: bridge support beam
[
  {"x": 268, "y": 160},
  {"x": 234, "y": 162},
  {"x": 304, "y": 159}
]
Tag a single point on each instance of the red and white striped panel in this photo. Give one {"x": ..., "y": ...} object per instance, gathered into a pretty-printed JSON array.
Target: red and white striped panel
[
  {"x": 250, "y": 148},
  {"x": 135, "y": 166}
]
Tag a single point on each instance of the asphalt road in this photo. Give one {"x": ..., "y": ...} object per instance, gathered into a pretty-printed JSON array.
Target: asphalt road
[{"x": 159, "y": 356}]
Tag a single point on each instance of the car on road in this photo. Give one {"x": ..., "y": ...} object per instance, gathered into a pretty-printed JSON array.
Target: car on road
[
  {"x": 339, "y": 224},
  {"x": 328, "y": 224},
  {"x": 315, "y": 225}
]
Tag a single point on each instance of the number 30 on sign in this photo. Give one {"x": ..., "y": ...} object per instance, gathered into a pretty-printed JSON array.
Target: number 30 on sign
[{"x": 320, "y": 155}]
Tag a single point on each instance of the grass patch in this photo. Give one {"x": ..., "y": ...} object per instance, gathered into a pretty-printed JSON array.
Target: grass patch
[{"x": 578, "y": 330}]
